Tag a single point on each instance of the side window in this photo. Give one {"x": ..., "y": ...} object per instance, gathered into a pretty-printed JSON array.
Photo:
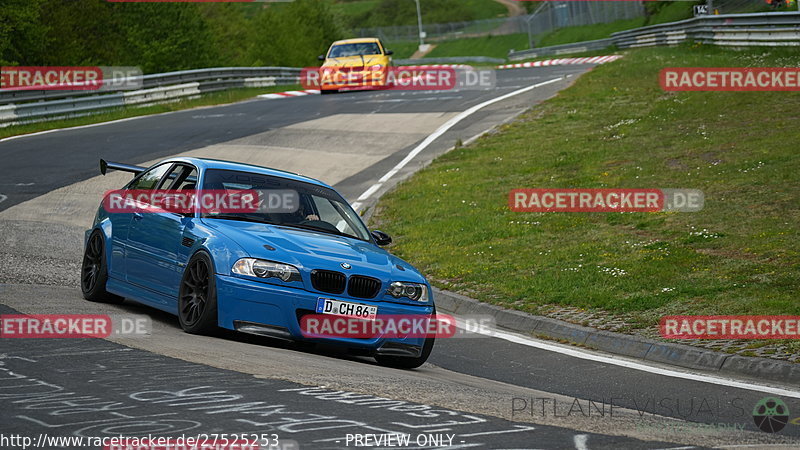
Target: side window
[
  {"x": 189, "y": 181},
  {"x": 181, "y": 178},
  {"x": 149, "y": 180}
]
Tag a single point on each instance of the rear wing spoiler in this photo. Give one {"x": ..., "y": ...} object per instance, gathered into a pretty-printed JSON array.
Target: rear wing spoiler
[{"x": 105, "y": 165}]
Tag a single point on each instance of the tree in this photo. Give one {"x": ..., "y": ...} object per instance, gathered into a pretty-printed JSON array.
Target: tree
[
  {"x": 294, "y": 34},
  {"x": 21, "y": 32}
]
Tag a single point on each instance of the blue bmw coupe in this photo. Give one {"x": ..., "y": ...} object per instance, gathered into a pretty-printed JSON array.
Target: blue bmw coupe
[{"x": 258, "y": 270}]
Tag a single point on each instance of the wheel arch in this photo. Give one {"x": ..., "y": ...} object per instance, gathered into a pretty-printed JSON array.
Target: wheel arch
[{"x": 105, "y": 230}]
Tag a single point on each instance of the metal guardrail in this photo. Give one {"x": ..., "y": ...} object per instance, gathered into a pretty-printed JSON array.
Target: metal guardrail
[
  {"x": 36, "y": 106},
  {"x": 758, "y": 29},
  {"x": 576, "y": 47},
  {"x": 771, "y": 29}
]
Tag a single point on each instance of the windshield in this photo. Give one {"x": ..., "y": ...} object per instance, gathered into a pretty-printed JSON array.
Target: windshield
[
  {"x": 309, "y": 206},
  {"x": 363, "y": 48}
]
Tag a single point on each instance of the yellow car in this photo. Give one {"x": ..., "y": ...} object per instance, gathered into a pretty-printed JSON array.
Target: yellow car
[{"x": 354, "y": 64}]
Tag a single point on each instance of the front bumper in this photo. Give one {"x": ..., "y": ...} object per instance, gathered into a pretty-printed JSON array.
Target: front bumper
[
  {"x": 259, "y": 308},
  {"x": 366, "y": 79}
]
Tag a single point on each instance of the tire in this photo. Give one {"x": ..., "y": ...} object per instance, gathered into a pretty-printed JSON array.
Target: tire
[
  {"x": 94, "y": 271},
  {"x": 402, "y": 362},
  {"x": 328, "y": 91},
  {"x": 197, "y": 296}
]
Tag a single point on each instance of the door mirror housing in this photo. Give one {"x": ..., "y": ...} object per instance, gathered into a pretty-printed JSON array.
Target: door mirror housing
[
  {"x": 321, "y": 57},
  {"x": 381, "y": 238},
  {"x": 389, "y": 52}
]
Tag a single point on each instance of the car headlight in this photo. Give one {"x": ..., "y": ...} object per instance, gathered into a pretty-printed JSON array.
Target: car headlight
[
  {"x": 376, "y": 67},
  {"x": 413, "y": 291},
  {"x": 260, "y": 268}
]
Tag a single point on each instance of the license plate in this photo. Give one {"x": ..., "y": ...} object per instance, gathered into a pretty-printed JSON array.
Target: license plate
[{"x": 347, "y": 309}]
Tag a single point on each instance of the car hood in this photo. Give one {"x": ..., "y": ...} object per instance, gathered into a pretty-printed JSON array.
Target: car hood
[
  {"x": 356, "y": 61},
  {"x": 309, "y": 250}
]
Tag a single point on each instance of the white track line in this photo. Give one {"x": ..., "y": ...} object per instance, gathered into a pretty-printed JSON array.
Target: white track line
[
  {"x": 437, "y": 134},
  {"x": 92, "y": 125},
  {"x": 630, "y": 364}
]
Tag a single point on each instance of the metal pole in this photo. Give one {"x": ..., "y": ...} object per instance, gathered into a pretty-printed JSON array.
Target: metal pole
[
  {"x": 419, "y": 22},
  {"x": 530, "y": 33}
]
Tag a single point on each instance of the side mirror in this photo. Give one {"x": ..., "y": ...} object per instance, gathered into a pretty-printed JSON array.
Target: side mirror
[
  {"x": 321, "y": 57},
  {"x": 381, "y": 238},
  {"x": 389, "y": 52}
]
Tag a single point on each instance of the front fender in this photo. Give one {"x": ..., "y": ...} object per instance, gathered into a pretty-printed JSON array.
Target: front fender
[{"x": 224, "y": 251}]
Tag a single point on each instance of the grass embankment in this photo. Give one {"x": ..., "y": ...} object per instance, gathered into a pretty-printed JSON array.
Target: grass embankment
[
  {"x": 616, "y": 128},
  {"x": 493, "y": 46},
  {"x": 403, "y": 50},
  {"x": 214, "y": 98},
  {"x": 569, "y": 35}
]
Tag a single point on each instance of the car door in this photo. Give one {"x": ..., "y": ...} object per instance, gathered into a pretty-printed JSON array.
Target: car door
[
  {"x": 121, "y": 220},
  {"x": 155, "y": 237}
]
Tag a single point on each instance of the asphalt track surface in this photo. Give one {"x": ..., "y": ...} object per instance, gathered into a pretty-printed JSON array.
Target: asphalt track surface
[{"x": 483, "y": 392}]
